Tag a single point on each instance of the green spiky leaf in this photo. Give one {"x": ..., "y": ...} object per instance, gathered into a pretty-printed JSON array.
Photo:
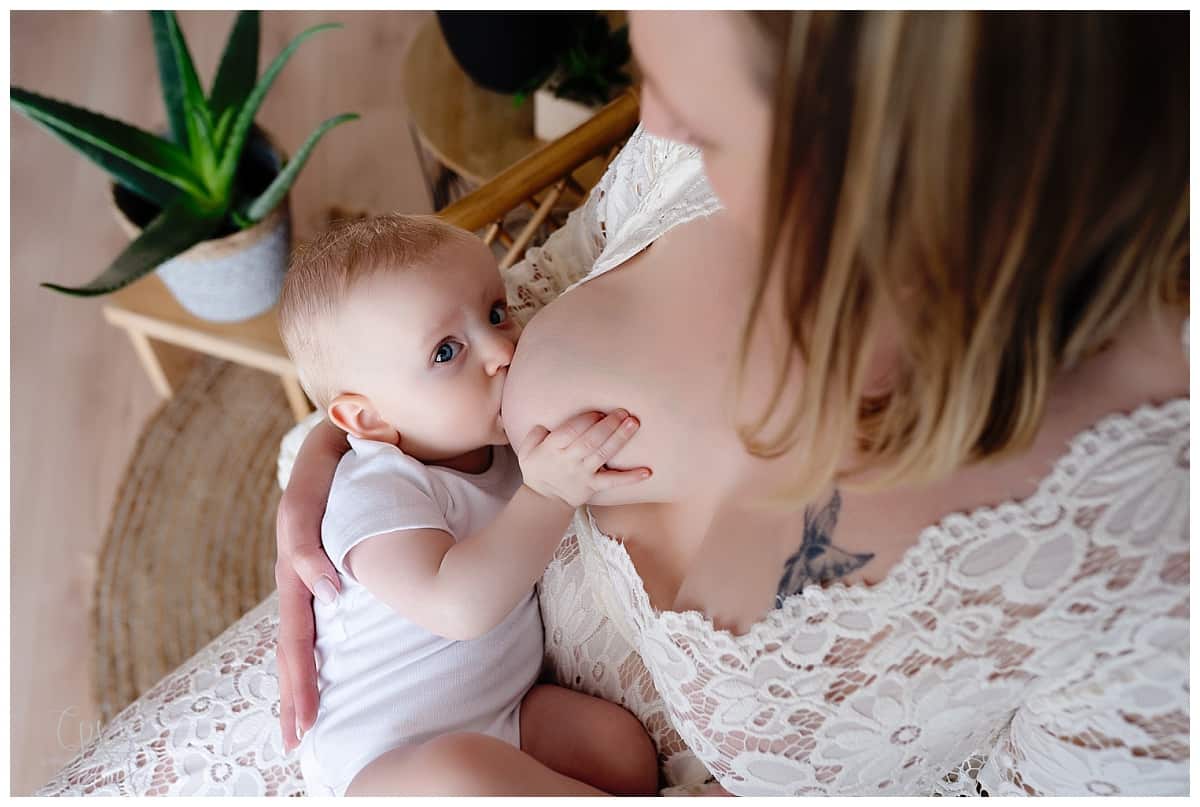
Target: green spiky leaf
[
  {"x": 179, "y": 227},
  {"x": 124, "y": 173},
  {"x": 245, "y": 116},
  {"x": 222, "y": 129},
  {"x": 169, "y": 77},
  {"x": 239, "y": 66},
  {"x": 266, "y": 202},
  {"x": 197, "y": 118},
  {"x": 205, "y": 155},
  {"x": 114, "y": 146}
]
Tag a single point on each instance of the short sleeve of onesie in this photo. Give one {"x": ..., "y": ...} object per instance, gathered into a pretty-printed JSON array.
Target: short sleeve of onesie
[{"x": 378, "y": 489}]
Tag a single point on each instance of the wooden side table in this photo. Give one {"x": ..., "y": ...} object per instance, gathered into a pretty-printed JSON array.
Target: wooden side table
[{"x": 166, "y": 338}]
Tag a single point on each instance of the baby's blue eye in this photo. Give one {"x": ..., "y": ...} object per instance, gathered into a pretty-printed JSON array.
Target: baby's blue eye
[
  {"x": 445, "y": 352},
  {"x": 498, "y": 314}
]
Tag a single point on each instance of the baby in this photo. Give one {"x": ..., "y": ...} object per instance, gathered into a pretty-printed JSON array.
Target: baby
[{"x": 429, "y": 658}]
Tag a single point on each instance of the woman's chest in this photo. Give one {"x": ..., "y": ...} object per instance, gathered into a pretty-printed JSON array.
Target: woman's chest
[{"x": 656, "y": 336}]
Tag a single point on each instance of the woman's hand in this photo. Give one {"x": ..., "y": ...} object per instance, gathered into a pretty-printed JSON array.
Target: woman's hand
[
  {"x": 302, "y": 570},
  {"x": 568, "y": 463}
]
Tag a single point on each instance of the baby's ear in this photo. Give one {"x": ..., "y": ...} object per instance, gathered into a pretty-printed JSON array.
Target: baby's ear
[{"x": 355, "y": 414}]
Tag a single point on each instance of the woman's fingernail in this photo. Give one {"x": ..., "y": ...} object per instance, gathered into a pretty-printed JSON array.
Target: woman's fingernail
[
  {"x": 299, "y": 732},
  {"x": 324, "y": 590},
  {"x": 645, "y": 474},
  {"x": 630, "y": 424}
]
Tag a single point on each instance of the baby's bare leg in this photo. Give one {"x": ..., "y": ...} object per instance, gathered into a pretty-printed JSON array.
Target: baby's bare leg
[
  {"x": 462, "y": 764},
  {"x": 589, "y": 739}
]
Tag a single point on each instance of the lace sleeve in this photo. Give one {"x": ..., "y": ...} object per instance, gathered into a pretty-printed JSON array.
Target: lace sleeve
[
  {"x": 1120, "y": 729},
  {"x": 652, "y": 185},
  {"x": 567, "y": 256}
]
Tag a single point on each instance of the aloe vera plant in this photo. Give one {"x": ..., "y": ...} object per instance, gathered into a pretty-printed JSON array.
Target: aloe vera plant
[{"x": 191, "y": 177}]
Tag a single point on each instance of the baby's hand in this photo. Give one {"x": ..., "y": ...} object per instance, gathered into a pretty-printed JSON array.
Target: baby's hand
[{"x": 567, "y": 464}]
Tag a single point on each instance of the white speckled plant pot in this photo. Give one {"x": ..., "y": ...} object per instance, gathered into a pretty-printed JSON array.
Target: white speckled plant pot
[
  {"x": 553, "y": 117},
  {"x": 233, "y": 278}
]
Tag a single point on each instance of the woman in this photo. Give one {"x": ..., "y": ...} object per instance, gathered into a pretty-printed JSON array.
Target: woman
[{"x": 915, "y": 398}]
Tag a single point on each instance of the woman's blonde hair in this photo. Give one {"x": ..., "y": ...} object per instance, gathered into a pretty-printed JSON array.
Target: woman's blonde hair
[{"x": 1009, "y": 187}]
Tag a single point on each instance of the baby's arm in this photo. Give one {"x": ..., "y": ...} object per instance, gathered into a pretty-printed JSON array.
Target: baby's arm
[{"x": 462, "y": 590}]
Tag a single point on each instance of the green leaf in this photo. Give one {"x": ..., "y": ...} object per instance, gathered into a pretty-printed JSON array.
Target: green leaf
[
  {"x": 126, "y": 174},
  {"x": 173, "y": 231},
  {"x": 197, "y": 118},
  {"x": 266, "y": 202},
  {"x": 222, "y": 129},
  {"x": 113, "y": 145},
  {"x": 245, "y": 116},
  {"x": 169, "y": 77},
  {"x": 205, "y": 153},
  {"x": 240, "y": 220},
  {"x": 239, "y": 66}
]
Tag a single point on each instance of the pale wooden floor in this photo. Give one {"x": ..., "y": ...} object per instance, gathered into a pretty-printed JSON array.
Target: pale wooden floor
[{"x": 79, "y": 398}]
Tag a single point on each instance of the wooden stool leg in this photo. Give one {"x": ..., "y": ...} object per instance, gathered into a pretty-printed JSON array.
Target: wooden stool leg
[
  {"x": 165, "y": 363},
  {"x": 296, "y": 398},
  {"x": 150, "y": 362}
]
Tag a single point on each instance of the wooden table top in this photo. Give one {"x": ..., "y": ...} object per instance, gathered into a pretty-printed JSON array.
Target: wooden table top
[{"x": 147, "y": 306}]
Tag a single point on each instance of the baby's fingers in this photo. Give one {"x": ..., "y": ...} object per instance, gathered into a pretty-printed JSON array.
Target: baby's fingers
[
  {"x": 606, "y": 480},
  {"x": 606, "y": 438},
  {"x": 570, "y": 430}
]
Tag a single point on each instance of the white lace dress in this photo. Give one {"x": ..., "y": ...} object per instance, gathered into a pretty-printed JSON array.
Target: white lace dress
[{"x": 1039, "y": 647}]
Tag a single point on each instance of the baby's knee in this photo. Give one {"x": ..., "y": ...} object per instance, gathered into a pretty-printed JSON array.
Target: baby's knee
[
  {"x": 635, "y": 760},
  {"x": 628, "y": 752}
]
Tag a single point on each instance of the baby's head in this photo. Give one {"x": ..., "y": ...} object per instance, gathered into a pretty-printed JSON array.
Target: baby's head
[{"x": 400, "y": 332}]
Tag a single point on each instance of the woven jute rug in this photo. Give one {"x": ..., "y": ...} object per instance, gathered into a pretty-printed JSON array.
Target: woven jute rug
[{"x": 191, "y": 543}]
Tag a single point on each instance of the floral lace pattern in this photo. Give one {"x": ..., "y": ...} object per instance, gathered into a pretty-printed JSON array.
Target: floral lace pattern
[
  {"x": 1039, "y": 647},
  {"x": 586, "y": 652},
  {"x": 210, "y": 728},
  {"x": 650, "y": 187}
]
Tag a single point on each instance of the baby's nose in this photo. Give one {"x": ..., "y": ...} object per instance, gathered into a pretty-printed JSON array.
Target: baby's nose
[{"x": 500, "y": 353}]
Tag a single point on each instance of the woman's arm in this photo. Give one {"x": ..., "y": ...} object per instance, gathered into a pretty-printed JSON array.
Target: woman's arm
[{"x": 301, "y": 571}]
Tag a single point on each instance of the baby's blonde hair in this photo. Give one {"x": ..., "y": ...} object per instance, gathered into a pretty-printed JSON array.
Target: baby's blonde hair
[{"x": 324, "y": 270}]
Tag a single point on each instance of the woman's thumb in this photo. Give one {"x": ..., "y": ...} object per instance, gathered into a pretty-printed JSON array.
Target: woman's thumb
[{"x": 318, "y": 574}]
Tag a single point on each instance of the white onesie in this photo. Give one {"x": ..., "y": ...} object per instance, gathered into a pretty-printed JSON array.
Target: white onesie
[{"x": 384, "y": 681}]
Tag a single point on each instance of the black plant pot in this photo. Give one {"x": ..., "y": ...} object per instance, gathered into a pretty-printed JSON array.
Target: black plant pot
[{"x": 504, "y": 50}]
